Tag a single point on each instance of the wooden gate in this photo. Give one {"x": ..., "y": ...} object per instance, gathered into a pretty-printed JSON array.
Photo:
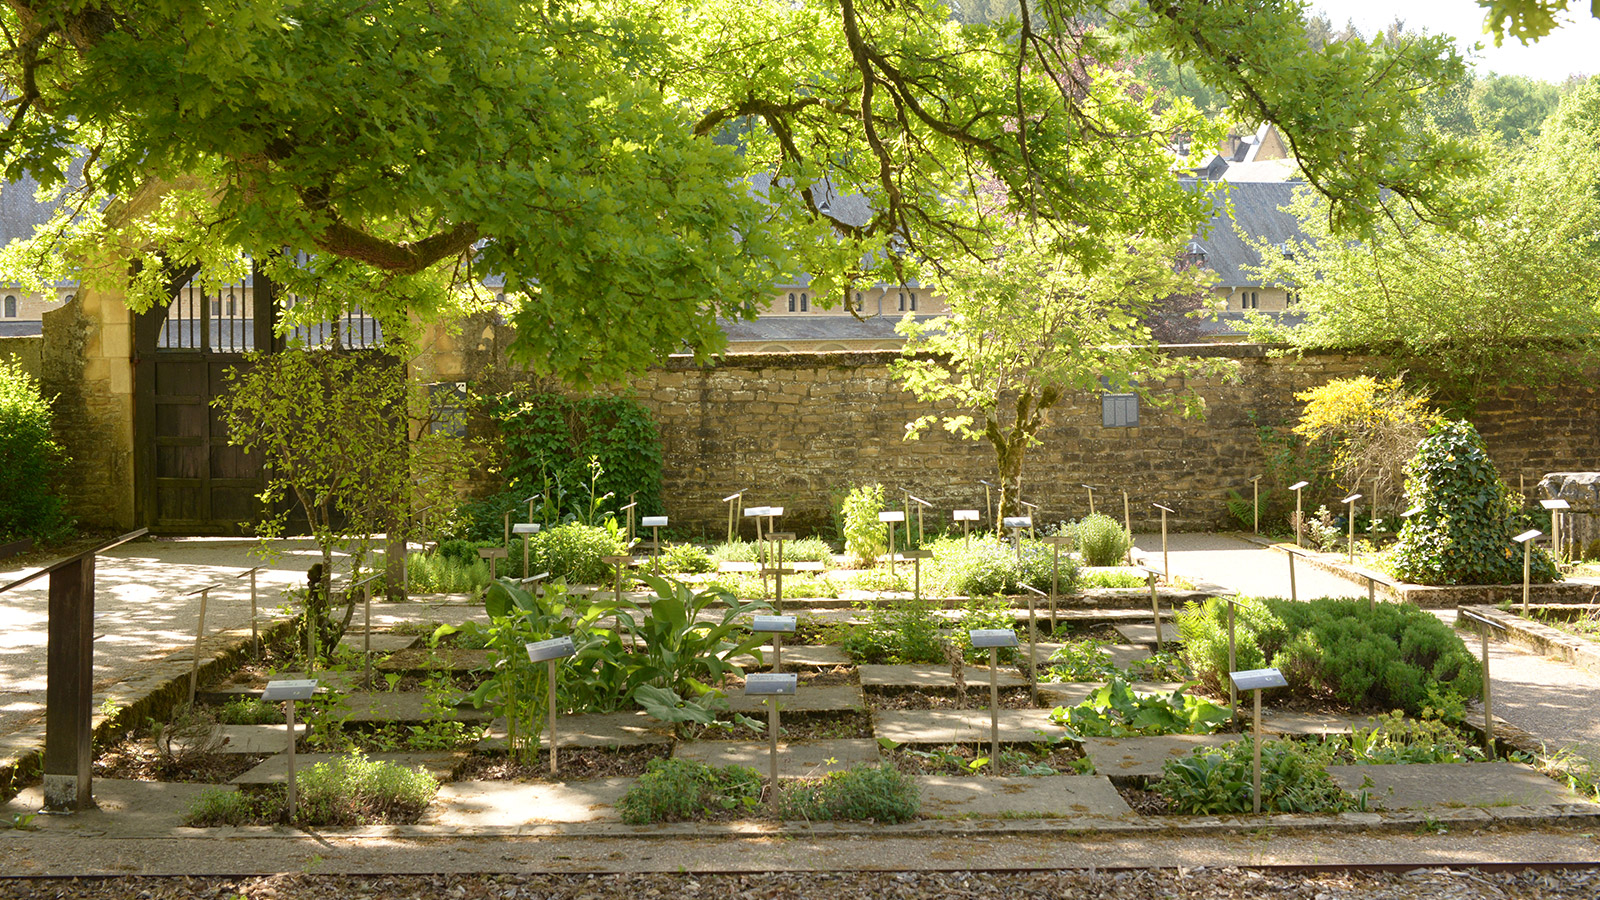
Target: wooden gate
[{"x": 188, "y": 479}]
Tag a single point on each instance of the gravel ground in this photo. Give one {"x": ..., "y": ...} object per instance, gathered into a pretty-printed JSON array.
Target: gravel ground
[{"x": 1435, "y": 884}]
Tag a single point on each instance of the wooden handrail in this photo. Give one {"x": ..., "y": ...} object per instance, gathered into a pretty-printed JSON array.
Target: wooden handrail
[{"x": 62, "y": 563}]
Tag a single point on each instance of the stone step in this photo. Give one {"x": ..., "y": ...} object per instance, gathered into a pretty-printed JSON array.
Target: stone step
[
  {"x": 794, "y": 759},
  {"x": 954, "y": 726},
  {"x": 1049, "y": 796}
]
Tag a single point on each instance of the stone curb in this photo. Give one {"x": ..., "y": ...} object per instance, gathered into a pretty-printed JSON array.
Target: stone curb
[
  {"x": 1189, "y": 826},
  {"x": 1543, "y": 639}
]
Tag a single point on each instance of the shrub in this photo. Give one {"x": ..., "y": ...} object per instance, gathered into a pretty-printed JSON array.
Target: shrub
[
  {"x": 1101, "y": 540},
  {"x": 1111, "y": 580},
  {"x": 1462, "y": 533},
  {"x": 1215, "y": 780},
  {"x": 879, "y": 793},
  {"x": 986, "y": 567},
  {"x": 674, "y": 790},
  {"x": 686, "y": 558},
  {"x": 865, "y": 538},
  {"x": 249, "y": 711},
  {"x": 354, "y": 790},
  {"x": 1393, "y": 657},
  {"x": 906, "y": 631},
  {"x": 1084, "y": 660},
  {"x": 576, "y": 552},
  {"x": 219, "y": 806},
  {"x": 1371, "y": 426},
  {"x": 438, "y": 573},
  {"x": 30, "y": 461},
  {"x": 803, "y": 550}
]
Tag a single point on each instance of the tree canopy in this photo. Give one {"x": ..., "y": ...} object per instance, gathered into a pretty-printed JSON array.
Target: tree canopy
[
  {"x": 634, "y": 169},
  {"x": 1507, "y": 297}
]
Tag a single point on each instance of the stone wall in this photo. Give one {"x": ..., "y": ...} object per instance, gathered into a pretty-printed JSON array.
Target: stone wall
[
  {"x": 86, "y": 369},
  {"x": 801, "y": 428},
  {"x": 27, "y": 351}
]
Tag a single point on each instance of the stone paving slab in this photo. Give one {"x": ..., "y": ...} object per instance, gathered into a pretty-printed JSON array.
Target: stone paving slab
[
  {"x": 622, "y": 729},
  {"x": 440, "y": 659},
  {"x": 1143, "y": 757},
  {"x": 794, "y": 759},
  {"x": 251, "y": 739},
  {"x": 1302, "y": 723},
  {"x": 1065, "y": 693},
  {"x": 1145, "y": 632},
  {"x": 1074, "y": 796},
  {"x": 952, "y": 726},
  {"x": 126, "y": 808},
  {"x": 827, "y": 698},
  {"x": 1121, "y": 655},
  {"x": 503, "y": 803},
  {"x": 382, "y": 641},
  {"x": 275, "y": 769},
  {"x": 1484, "y": 784},
  {"x": 810, "y": 656},
  {"x": 931, "y": 677}
]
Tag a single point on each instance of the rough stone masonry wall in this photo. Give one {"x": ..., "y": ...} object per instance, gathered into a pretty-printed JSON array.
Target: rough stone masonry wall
[{"x": 801, "y": 428}]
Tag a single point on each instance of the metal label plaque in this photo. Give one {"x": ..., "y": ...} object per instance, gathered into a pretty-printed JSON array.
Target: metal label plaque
[
  {"x": 1555, "y": 504},
  {"x": 1256, "y": 679},
  {"x": 917, "y": 554},
  {"x": 653, "y": 522},
  {"x": 1351, "y": 499},
  {"x": 1163, "y": 508},
  {"x": 767, "y": 683},
  {"x": 556, "y": 648},
  {"x": 896, "y": 516},
  {"x": 493, "y": 553},
  {"x": 780, "y": 535},
  {"x": 1298, "y": 485},
  {"x": 1017, "y": 521},
  {"x": 774, "y": 511},
  {"x": 525, "y": 528},
  {"x": 753, "y": 511},
  {"x": 1059, "y": 540},
  {"x": 1527, "y": 536},
  {"x": 966, "y": 515},
  {"x": 289, "y": 689},
  {"x": 771, "y": 624},
  {"x": 993, "y": 637}
]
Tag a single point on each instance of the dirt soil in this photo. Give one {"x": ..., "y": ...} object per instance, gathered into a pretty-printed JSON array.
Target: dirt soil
[
  {"x": 575, "y": 764},
  {"x": 1168, "y": 884}
]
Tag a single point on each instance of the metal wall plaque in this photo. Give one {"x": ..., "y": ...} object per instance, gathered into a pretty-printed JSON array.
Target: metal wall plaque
[
  {"x": 653, "y": 522},
  {"x": 1255, "y": 679},
  {"x": 1528, "y": 535},
  {"x": 769, "y": 624},
  {"x": 1119, "y": 411},
  {"x": 993, "y": 637},
  {"x": 895, "y": 516},
  {"x": 525, "y": 528},
  {"x": 770, "y": 683},
  {"x": 966, "y": 515},
  {"x": 289, "y": 689},
  {"x": 1017, "y": 521},
  {"x": 555, "y": 648}
]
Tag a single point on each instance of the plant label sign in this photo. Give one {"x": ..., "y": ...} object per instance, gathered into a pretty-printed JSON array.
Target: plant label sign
[
  {"x": 556, "y": 648},
  {"x": 896, "y": 516},
  {"x": 525, "y": 528},
  {"x": 771, "y": 624},
  {"x": 289, "y": 689},
  {"x": 966, "y": 515},
  {"x": 653, "y": 522},
  {"x": 917, "y": 554},
  {"x": 766, "y": 683},
  {"x": 754, "y": 511},
  {"x": 993, "y": 637},
  {"x": 1257, "y": 679},
  {"x": 1017, "y": 521},
  {"x": 1059, "y": 540}
]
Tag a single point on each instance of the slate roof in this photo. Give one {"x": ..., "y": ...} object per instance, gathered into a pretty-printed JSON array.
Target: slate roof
[
  {"x": 1256, "y": 211},
  {"x": 21, "y": 327},
  {"x": 814, "y": 328}
]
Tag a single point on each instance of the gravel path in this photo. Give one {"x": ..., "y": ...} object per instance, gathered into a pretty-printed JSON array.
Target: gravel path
[
  {"x": 1213, "y": 884},
  {"x": 1250, "y": 569}
]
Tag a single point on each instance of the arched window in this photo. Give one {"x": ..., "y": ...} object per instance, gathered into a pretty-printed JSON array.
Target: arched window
[
  {"x": 791, "y": 303},
  {"x": 216, "y": 306},
  {"x": 859, "y": 307},
  {"x": 233, "y": 309},
  {"x": 805, "y": 304},
  {"x": 913, "y": 301},
  {"x": 11, "y": 306},
  {"x": 902, "y": 301}
]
